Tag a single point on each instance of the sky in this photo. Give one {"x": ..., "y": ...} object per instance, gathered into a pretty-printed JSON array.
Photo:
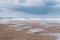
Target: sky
[{"x": 30, "y": 8}]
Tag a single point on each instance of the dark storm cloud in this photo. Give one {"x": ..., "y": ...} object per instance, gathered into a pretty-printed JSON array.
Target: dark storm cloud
[
  {"x": 44, "y": 10},
  {"x": 33, "y": 10}
]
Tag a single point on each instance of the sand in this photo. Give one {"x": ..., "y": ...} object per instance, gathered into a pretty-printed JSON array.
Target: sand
[{"x": 8, "y": 32}]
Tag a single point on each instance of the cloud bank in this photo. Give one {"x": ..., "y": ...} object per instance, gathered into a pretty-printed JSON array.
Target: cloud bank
[{"x": 30, "y": 8}]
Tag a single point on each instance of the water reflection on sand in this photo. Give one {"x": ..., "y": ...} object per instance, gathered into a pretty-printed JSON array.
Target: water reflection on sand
[{"x": 20, "y": 26}]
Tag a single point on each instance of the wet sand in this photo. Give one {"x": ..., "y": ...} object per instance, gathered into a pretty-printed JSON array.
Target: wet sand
[{"x": 20, "y": 32}]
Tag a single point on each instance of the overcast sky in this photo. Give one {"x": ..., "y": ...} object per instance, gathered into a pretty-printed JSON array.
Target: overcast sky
[{"x": 30, "y": 8}]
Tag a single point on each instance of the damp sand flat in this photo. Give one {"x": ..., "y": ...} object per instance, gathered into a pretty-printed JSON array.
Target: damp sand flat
[{"x": 8, "y": 32}]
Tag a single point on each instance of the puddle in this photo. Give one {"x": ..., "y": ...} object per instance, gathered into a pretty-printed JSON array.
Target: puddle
[
  {"x": 44, "y": 24},
  {"x": 22, "y": 28},
  {"x": 4, "y": 22},
  {"x": 18, "y": 29},
  {"x": 53, "y": 34},
  {"x": 8, "y": 28},
  {"x": 28, "y": 27},
  {"x": 35, "y": 30}
]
